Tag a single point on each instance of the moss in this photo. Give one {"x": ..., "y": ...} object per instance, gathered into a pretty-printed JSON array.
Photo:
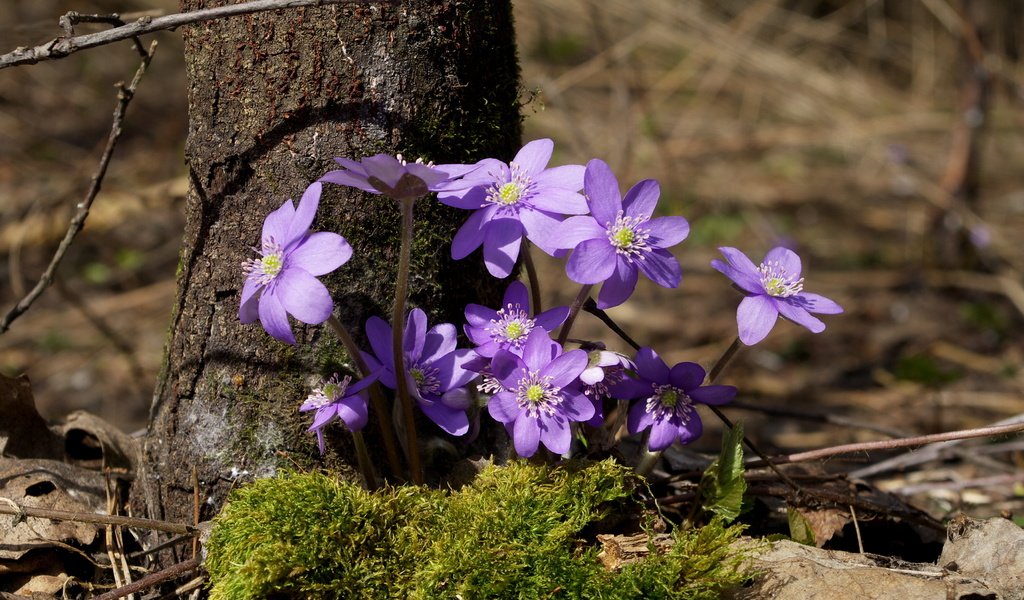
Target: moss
[{"x": 516, "y": 532}]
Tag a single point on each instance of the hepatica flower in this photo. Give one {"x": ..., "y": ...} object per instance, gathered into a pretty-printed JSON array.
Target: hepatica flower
[
  {"x": 667, "y": 399},
  {"x": 604, "y": 368},
  {"x": 773, "y": 288},
  {"x": 619, "y": 238},
  {"x": 284, "y": 280},
  {"x": 436, "y": 371},
  {"x": 393, "y": 176},
  {"x": 539, "y": 395},
  {"x": 508, "y": 327},
  {"x": 510, "y": 200},
  {"x": 341, "y": 399}
]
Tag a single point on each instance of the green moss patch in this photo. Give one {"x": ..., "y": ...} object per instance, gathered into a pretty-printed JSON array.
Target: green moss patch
[{"x": 519, "y": 531}]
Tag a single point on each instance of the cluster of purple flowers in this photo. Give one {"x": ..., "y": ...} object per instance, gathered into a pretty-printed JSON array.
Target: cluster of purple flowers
[{"x": 530, "y": 383}]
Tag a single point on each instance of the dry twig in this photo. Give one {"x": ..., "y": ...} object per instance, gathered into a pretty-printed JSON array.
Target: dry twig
[
  {"x": 124, "y": 97},
  {"x": 63, "y": 46},
  {"x": 10, "y": 507},
  {"x": 152, "y": 580}
]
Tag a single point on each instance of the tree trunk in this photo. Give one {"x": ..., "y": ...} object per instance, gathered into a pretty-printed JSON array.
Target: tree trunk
[{"x": 272, "y": 98}]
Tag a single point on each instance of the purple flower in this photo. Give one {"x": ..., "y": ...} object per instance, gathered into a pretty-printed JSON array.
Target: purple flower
[
  {"x": 668, "y": 398},
  {"x": 393, "y": 176},
  {"x": 436, "y": 371},
  {"x": 619, "y": 237},
  {"x": 539, "y": 395},
  {"x": 334, "y": 398},
  {"x": 604, "y": 369},
  {"x": 283, "y": 281},
  {"x": 522, "y": 196},
  {"x": 774, "y": 288},
  {"x": 508, "y": 327}
]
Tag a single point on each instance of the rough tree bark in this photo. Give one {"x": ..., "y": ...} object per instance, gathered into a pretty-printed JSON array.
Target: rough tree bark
[{"x": 272, "y": 98}]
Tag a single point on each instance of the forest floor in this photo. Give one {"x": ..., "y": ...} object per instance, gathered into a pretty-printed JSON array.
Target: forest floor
[{"x": 849, "y": 134}]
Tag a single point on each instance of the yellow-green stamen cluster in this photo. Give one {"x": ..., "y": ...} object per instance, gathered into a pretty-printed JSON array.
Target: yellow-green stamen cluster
[
  {"x": 670, "y": 402},
  {"x": 263, "y": 270},
  {"x": 511, "y": 326},
  {"x": 509, "y": 194},
  {"x": 628, "y": 236},
  {"x": 330, "y": 391},
  {"x": 536, "y": 394},
  {"x": 777, "y": 282},
  {"x": 426, "y": 380}
]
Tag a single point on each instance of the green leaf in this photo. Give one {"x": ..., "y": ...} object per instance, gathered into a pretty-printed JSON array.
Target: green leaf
[
  {"x": 800, "y": 528},
  {"x": 723, "y": 482}
]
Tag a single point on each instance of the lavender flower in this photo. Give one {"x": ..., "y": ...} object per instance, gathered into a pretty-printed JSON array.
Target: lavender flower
[
  {"x": 436, "y": 371},
  {"x": 508, "y": 327},
  {"x": 619, "y": 237},
  {"x": 522, "y": 196},
  {"x": 774, "y": 288},
  {"x": 394, "y": 177},
  {"x": 336, "y": 398},
  {"x": 604, "y": 369},
  {"x": 668, "y": 399},
  {"x": 283, "y": 280},
  {"x": 539, "y": 395}
]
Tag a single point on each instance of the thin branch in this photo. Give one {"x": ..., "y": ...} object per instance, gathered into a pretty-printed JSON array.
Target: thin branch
[
  {"x": 898, "y": 443},
  {"x": 124, "y": 97},
  {"x": 64, "y": 46},
  {"x": 152, "y": 580},
  {"x": 10, "y": 507},
  {"x": 69, "y": 20},
  {"x": 922, "y": 455}
]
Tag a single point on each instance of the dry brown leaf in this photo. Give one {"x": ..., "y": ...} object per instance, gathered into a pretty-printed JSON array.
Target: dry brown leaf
[
  {"x": 792, "y": 571},
  {"x": 93, "y": 443},
  {"x": 23, "y": 433},
  {"x": 53, "y": 485},
  {"x": 619, "y": 550},
  {"x": 992, "y": 551},
  {"x": 824, "y": 522}
]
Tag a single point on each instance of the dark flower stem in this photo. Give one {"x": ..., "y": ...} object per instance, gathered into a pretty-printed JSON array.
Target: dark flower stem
[
  {"x": 380, "y": 406},
  {"x": 397, "y": 327},
  {"x": 716, "y": 370},
  {"x": 724, "y": 360},
  {"x": 531, "y": 275},
  {"x": 574, "y": 309},
  {"x": 591, "y": 307}
]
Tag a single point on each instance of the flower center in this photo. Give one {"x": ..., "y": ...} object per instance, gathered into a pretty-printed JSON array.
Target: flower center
[
  {"x": 271, "y": 264},
  {"x": 777, "y": 282},
  {"x": 511, "y": 326},
  {"x": 330, "y": 391},
  {"x": 427, "y": 382},
  {"x": 669, "y": 402},
  {"x": 537, "y": 395},
  {"x": 628, "y": 236},
  {"x": 263, "y": 270},
  {"x": 509, "y": 194}
]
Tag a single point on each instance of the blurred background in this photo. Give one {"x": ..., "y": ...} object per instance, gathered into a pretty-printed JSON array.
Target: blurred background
[{"x": 881, "y": 139}]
